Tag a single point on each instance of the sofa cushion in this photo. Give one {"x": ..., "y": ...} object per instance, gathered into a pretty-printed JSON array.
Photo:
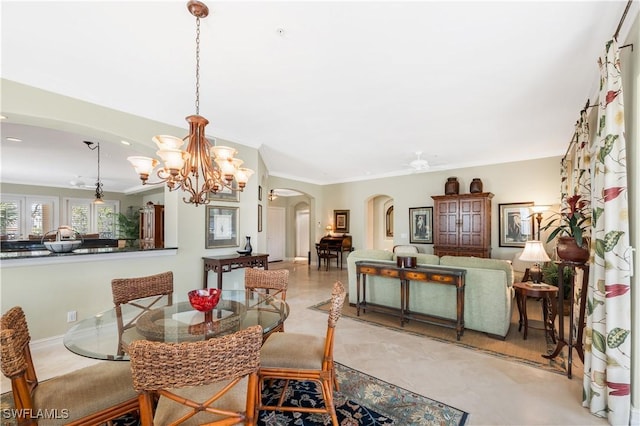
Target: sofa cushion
[
  {"x": 371, "y": 254},
  {"x": 480, "y": 263}
]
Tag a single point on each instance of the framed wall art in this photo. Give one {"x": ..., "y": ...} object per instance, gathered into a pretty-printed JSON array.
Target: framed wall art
[
  {"x": 516, "y": 224},
  {"x": 222, "y": 226},
  {"x": 259, "y": 217},
  {"x": 226, "y": 194},
  {"x": 421, "y": 225},
  {"x": 341, "y": 221},
  {"x": 259, "y": 192}
]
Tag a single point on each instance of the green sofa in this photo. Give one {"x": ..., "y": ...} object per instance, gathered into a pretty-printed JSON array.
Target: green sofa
[{"x": 488, "y": 289}]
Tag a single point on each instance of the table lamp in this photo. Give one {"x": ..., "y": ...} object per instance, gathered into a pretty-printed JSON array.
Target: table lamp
[
  {"x": 534, "y": 252},
  {"x": 329, "y": 228}
]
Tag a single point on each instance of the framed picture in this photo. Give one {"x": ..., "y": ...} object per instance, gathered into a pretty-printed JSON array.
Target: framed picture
[
  {"x": 421, "y": 225},
  {"x": 259, "y": 192},
  {"x": 222, "y": 226},
  {"x": 341, "y": 221},
  {"x": 259, "y": 217},
  {"x": 226, "y": 194},
  {"x": 516, "y": 224}
]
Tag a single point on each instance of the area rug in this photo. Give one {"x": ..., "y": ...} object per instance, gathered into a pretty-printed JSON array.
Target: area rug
[
  {"x": 512, "y": 348},
  {"x": 362, "y": 400}
]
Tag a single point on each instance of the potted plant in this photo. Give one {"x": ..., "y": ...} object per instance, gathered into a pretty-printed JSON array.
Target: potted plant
[
  {"x": 128, "y": 227},
  {"x": 570, "y": 226}
]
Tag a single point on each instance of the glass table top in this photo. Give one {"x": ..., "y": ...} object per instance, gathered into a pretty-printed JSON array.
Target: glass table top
[{"x": 97, "y": 336}]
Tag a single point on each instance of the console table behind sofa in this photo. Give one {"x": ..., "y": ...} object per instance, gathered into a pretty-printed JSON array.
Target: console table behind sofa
[{"x": 447, "y": 276}]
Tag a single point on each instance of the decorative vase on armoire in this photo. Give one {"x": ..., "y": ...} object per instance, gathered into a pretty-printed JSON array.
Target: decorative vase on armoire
[
  {"x": 476, "y": 186},
  {"x": 452, "y": 186}
]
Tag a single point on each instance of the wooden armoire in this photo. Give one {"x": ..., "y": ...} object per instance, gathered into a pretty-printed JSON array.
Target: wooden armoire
[
  {"x": 152, "y": 226},
  {"x": 462, "y": 224}
]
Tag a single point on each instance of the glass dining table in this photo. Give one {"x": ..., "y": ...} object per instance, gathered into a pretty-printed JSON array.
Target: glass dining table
[{"x": 97, "y": 337}]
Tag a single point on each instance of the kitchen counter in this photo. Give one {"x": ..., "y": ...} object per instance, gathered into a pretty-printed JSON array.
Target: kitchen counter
[{"x": 41, "y": 257}]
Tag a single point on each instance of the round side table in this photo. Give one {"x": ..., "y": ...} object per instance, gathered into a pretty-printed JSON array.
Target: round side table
[{"x": 549, "y": 296}]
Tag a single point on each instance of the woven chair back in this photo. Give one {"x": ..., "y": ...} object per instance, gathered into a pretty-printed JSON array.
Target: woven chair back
[
  {"x": 338, "y": 294},
  {"x": 14, "y": 340},
  {"x": 274, "y": 282},
  {"x": 224, "y": 359},
  {"x": 141, "y": 293}
]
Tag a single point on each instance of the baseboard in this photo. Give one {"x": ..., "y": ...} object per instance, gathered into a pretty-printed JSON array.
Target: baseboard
[{"x": 45, "y": 343}]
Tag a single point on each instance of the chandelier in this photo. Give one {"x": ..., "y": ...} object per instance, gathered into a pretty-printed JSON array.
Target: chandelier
[
  {"x": 201, "y": 168},
  {"x": 99, "y": 191}
]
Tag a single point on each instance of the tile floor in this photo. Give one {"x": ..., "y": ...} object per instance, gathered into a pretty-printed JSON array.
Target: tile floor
[{"x": 493, "y": 391}]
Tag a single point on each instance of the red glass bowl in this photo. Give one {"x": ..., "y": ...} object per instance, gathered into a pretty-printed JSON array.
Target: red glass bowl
[{"x": 204, "y": 300}]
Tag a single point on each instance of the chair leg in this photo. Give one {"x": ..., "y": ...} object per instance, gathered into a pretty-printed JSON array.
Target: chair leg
[{"x": 327, "y": 390}]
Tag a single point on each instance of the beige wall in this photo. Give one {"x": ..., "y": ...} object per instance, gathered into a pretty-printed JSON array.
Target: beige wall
[{"x": 533, "y": 180}]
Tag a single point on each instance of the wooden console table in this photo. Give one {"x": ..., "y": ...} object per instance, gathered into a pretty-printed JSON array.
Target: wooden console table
[
  {"x": 438, "y": 275},
  {"x": 226, "y": 263},
  {"x": 574, "y": 340}
]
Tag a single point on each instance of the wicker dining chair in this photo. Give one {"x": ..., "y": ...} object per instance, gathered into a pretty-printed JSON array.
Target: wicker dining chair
[
  {"x": 212, "y": 381},
  {"x": 267, "y": 283},
  {"x": 312, "y": 360},
  {"x": 141, "y": 293},
  {"x": 90, "y": 396}
]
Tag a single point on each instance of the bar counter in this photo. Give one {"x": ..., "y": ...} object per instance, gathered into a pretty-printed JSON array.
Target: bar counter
[{"x": 40, "y": 257}]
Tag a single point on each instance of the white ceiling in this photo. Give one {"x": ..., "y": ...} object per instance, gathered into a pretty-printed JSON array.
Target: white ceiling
[{"x": 328, "y": 91}]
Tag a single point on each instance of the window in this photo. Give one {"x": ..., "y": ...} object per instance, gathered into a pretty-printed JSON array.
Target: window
[
  {"x": 22, "y": 216},
  {"x": 87, "y": 217}
]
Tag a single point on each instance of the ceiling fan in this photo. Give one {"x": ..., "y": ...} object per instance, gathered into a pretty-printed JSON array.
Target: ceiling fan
[
  {"x": 419, "y": 164},
  {"x": 79, "y": 183},
  {"x": 422, "y": 165}
]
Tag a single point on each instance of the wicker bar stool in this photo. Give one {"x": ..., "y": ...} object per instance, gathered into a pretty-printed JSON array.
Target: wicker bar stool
[
  {"x": 212, "y": 381},
  {"x": 312, "y": 360},
  {"x": 143, "y": 293},
  {"x": 89, "y": 396}
]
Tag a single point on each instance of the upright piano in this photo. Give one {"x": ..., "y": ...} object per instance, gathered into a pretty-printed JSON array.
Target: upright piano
[{"x": 339, "y": 244}]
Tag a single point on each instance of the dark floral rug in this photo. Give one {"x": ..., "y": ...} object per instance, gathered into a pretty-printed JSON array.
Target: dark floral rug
[{"x": 362, "y": 400}]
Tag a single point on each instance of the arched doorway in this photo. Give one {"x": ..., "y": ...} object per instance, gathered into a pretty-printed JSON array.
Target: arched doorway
[{"x": 380, "y": 222}]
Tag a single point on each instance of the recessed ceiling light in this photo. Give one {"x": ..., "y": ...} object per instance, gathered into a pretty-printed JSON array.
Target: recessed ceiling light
[
  {"x": 10, "y": 139},
  {"x": 125, "y": 143}
]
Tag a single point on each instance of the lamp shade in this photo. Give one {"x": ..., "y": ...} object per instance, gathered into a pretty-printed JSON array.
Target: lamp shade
[
  {"x": 534, "y": 252},
  {"x": 540, "y": 208}
]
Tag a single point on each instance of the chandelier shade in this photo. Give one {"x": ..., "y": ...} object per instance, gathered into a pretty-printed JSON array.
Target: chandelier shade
[{"x": 201, "y": 168}]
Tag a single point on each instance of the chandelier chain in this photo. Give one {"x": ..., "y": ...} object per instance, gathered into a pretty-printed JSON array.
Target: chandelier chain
[{"x": 197, "y": 65}]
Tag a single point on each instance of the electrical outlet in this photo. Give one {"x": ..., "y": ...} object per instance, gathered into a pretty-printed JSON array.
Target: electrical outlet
[{"x": 72, "y": 316}]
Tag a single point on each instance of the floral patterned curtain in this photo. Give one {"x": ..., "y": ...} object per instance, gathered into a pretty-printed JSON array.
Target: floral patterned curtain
[{"x": 607, "y": 358}]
